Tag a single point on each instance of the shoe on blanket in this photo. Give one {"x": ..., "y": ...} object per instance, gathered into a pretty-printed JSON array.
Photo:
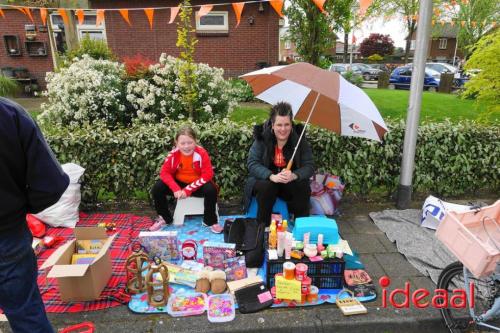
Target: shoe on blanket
[
  {"x": 159, "y": 223},
  {"x": 215, "y": 228}
]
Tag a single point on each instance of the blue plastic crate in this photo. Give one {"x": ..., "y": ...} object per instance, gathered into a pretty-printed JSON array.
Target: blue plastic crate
[{"x": 332, "y": 269}]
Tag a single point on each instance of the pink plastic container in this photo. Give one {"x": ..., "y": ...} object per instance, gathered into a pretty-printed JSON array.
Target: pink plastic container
[{"x": 465, "y": 236}]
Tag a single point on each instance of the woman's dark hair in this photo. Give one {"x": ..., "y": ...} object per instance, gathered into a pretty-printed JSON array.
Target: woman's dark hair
[{"x": 281, "y": 109}]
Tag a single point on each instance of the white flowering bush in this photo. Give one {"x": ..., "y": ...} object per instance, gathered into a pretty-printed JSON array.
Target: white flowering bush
[
  {"x": 157, "y": 96},
  {"x": 87, "y": 91}
]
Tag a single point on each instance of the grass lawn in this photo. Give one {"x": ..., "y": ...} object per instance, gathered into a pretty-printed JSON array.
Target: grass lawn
[{"x": 392, "y": 104}]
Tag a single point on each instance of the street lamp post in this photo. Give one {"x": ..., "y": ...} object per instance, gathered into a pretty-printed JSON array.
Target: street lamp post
[{"x": 415, "y": 103}]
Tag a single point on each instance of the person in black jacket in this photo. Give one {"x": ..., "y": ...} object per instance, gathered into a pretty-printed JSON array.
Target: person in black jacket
[
  {"x": 269, "y": 154},
  {"x": 31, "y": 180}
]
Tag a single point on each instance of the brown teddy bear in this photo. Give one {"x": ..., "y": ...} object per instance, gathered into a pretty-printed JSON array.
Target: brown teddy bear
[{"x": 218, "y": 281}]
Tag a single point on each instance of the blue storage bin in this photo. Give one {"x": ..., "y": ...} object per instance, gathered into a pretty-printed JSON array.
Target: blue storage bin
[{"x": 316, "y": 225}]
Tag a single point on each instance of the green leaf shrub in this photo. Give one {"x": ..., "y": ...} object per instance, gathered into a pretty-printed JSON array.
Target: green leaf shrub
[
  {"x": 241, "y": 91},
  {"x": 8, "y": 87},
  {"x": 451, "y": 159},
  {"x": 96, "y": 49}
]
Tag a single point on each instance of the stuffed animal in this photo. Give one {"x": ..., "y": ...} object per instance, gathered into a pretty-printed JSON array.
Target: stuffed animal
[
  {"x": 218, "y": 281},
  {"x": 189, "y": 249},
  {"x": 203, "y": 282}
]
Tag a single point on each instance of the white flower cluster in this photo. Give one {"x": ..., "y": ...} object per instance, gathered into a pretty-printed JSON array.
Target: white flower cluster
[
  {"x": 91, "y": 90},
  {"x": 88, "y": 90},
  {"x": 159, "y": 96}
]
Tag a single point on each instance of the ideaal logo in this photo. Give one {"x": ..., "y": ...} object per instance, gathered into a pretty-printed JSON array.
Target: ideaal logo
[
  {"x": 356, "y": 129},
  {"x": 420, "y": 297}
]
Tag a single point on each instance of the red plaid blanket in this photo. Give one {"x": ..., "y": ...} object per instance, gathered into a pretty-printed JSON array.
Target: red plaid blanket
[{"x": 128, "y": 227}]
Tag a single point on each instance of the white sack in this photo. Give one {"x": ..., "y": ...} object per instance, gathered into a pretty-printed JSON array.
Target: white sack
[{"x": 65, "y": 213}]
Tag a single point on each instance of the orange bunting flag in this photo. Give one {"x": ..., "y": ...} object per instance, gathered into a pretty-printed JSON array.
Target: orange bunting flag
[
  {"x": 474, "y": 23},
  {"x": 452, "y": 23},
  {"x": 99, "y": 19},
  {"x": 64, "y": 15},
  {"x": 173, "y": 13},
  {"x": 28, "y": 13},
  {"x": 363, "y": 6},
  {"x": 278, "y": 6},
  {"x": 462, "y": 23},
  {"x": 204, "y": 10},
  {"x": 2, "y": 13},
  {"x": 80, "y": 16},
  {"x": 150, "y": 13},
  {"x": 442, "y": 23},
  {"x": 43, "y": 15},
  {"x": 320, "y": 4},
  {"x": 433, "y": 22},
  {"x": 124, "y": 13},
  {"x": 238, "y": 9},
  {"x": 493, "y": 24}
]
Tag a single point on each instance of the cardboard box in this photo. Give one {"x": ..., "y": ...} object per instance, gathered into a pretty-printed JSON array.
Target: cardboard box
[{"x": 81, "y": 282}]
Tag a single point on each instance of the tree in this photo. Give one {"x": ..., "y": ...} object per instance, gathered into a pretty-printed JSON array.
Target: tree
[
  {"x": 472, "y": 19},
  {"x": 312, "y": 31},
  {"x": 377, "y": 44},
  {"x": 484, "y": 86},
  {"x": 186, "y": 42},
  {"x": 407, "y": 9}
]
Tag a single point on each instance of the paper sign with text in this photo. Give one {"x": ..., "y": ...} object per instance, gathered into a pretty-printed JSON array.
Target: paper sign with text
[{"x": 288, "y": 289}]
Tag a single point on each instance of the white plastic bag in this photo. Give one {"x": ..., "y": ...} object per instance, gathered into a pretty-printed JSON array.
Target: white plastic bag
[
  {"x": 64, "y": 213},
  {"x": 434, "y": 210}
]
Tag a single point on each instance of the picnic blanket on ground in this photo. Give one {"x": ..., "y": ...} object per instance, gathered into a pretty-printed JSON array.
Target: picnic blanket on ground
[
  {"x": 419, "y": 245},
  {"x": 128, "y": 227},
  {"x": 193, "y": 229}
]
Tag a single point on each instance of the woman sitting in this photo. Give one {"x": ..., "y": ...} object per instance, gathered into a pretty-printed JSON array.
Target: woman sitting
[
  {"x": 273, "y": 146},
  {"x": 187, "y": 170}
]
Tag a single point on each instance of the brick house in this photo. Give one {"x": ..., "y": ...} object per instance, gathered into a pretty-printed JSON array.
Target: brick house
[
  {"x": 442, "y": 43},
  {"x": 24, "y": 45},
  {"x": 254, "y": 43}
]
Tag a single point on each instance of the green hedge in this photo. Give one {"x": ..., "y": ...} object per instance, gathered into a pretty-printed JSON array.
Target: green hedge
[{"x": 451, "y": 159}]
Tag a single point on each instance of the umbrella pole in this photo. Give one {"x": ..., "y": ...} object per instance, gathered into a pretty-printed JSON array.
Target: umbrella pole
[{"x": 289, "y": 166}]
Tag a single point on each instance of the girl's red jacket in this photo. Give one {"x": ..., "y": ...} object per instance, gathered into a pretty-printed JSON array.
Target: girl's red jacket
[{"x": 201, "y": 164}]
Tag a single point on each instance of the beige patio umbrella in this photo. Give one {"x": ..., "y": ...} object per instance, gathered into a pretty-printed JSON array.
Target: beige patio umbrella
[{"x": 319, "y": 97}]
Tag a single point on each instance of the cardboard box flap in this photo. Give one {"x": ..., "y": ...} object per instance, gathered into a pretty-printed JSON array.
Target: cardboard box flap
[
  {"x": 90, "y": 233},
  {"x": 54, "y": 257},
  {"x": 67, "y": 270},
  {"x": 105, "y": 247}
]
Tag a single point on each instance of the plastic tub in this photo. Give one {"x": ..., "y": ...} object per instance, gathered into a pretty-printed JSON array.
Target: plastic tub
[
  {"x": 186, "y": 304},
  {"x": 220, "y": 308},
  {"x": 473, "y": 237}
]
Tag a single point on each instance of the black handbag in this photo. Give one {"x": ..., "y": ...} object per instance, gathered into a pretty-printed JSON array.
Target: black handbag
[
  {"x": 253, "y": 298},
  {"x": 248, "y": 235}
]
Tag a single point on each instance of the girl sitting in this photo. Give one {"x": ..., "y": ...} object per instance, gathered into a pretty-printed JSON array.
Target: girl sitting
[{"x": 187, "y": 171}]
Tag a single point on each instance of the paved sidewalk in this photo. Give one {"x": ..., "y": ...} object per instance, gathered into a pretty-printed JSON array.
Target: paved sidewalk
[{"x": 379, "y": 255}]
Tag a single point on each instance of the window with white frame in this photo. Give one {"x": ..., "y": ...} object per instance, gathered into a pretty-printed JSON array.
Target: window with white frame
[
  {"x": 288, "y": 44},
  {"x": 213, "y": 22},
  {"x": 412, "y": 44},
  {"x": 442, "y": 43},
  {"x": 87, "y": 28}
]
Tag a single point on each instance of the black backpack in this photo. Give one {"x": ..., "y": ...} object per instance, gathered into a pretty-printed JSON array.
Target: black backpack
[{"x": 248, "y": 235}]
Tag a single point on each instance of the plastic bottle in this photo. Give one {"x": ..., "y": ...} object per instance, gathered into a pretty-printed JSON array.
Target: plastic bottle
[{"x": 273, "y": 238}]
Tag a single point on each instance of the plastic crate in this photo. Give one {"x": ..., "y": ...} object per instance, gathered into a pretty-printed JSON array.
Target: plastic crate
[
  {"x": 326, "y": 274},
  {"x": 465, "y": 236}
]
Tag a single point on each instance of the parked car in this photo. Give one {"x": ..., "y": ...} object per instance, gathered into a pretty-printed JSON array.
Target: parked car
[
  {"x": 343, "y": 68},
  {"x": 367, "y": 72},
  {"x": 382, "y": 67},
  {"x": 401, "y": 79},
  {"x": 442, "y": 67}
]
